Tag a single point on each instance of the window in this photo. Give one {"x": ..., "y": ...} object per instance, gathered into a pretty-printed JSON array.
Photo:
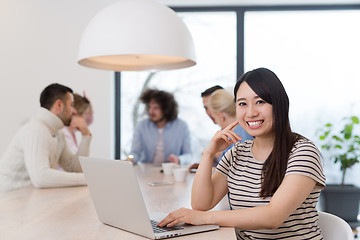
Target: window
[
  {"x": 314, "y": 50},
  {"x": 214, "y": 34},
  {"x": 316, "y": 56}
]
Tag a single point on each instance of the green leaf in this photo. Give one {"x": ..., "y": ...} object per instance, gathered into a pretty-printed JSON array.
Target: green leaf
[
  {"x": 351, "y": 148},
  {"x": 327, "y": 147},
  {"x": 348, "y": 130},
  {"x": 337, "y": 138},
  {"x": 326, "y": 134},
  {"x": 355, "y": 119},
  {"x": 338, "y": 146}
]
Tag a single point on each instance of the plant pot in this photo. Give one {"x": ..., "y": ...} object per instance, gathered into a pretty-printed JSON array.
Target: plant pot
[{"x": 342, "y": 201}]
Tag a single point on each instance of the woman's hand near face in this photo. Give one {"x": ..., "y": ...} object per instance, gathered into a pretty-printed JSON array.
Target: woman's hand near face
[
  {"x": 185, "y": 215},
  {"x": 208, "y": 187},
  {"x": 79, "y": 123},
  {"x": 223, "y": 139}
]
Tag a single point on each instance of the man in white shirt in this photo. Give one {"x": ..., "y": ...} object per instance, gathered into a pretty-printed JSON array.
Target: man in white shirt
[{"x": 39, "y": 147}]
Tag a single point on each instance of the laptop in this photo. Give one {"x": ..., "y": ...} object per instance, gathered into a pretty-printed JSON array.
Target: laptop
[{"x": 118, "y": 201}]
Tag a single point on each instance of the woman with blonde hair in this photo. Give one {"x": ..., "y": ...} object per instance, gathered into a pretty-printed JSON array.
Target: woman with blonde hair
[
  {"x": 83, "y": 109},
  {"x": 223, "y": 110}
]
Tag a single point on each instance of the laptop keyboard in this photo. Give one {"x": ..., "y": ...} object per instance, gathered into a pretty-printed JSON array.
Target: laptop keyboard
[{"x": 163, "y": 229}]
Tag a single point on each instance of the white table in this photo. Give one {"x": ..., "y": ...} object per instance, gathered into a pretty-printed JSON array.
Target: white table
[{"x": 68, "y": 213}]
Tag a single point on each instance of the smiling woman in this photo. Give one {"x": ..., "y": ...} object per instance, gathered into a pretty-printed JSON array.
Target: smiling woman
[{"x": 259, "y": 175}]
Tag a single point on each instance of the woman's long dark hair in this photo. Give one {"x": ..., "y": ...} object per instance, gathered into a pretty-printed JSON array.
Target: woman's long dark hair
[{"x": 268, "y": 87}]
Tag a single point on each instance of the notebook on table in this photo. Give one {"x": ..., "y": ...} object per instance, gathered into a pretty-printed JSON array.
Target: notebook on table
[{"x": 118, "y": 201}]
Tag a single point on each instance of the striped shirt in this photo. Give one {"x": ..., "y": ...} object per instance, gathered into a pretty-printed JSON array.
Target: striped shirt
[{"x": 243, "y": 173}]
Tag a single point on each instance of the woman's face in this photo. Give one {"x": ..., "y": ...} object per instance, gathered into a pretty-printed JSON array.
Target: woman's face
[
  {"x": 253, "y": 114},
  {"x": 88, "y": 115}
]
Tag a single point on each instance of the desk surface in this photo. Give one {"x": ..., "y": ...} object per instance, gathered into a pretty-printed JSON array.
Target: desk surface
[{"x": 68, "y": 213}]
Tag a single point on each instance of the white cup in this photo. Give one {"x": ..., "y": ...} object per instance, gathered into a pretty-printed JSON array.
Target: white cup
[
  {"x": 168, "y": 168},
  {"x": 180, "y": 174}
]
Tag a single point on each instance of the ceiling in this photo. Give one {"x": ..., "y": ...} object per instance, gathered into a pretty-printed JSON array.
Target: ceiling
[{"x": 189, "y": 3}]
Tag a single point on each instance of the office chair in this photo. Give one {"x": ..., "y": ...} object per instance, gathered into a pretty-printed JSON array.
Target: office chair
[{"x": 334, "y": 228}]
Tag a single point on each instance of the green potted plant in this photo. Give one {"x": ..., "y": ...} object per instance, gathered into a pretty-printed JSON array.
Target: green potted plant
[{"x": 344, "y": 148}]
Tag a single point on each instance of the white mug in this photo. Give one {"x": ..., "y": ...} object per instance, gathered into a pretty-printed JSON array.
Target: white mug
[
  {"x": 168, "y": 168},
  {"x": 180, "y": 174}
]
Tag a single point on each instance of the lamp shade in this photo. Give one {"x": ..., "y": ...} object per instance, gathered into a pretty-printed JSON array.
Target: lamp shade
[{"x": 135, "y": 35}]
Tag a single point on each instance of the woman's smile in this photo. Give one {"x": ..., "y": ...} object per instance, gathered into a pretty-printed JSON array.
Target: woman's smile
[{"x": 254, "y": 124}]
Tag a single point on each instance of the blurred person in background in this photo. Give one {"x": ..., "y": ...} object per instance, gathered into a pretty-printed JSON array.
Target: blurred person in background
[
  {"x": 162, "y": 137},
  {"x": 223, "y": 110},
  {"x": 205, "y": 95},
  {"x": 84, "y": 110},
  {"x": 220, "y": 107}
]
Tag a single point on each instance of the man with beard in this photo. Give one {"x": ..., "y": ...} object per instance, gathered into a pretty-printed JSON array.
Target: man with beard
[
  {"x": 38, "y": 146},
  {"x": 162, "y": 137}
]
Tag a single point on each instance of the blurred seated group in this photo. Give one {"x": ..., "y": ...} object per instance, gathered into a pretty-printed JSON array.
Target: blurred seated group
[
  {"x": 163, "y": 137},
  {"x": 49, "y": 142},
  {"x": 44, "y": 152}
]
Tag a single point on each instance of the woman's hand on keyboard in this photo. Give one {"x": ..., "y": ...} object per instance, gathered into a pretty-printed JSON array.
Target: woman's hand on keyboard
[{"x": 185, "y": 215}]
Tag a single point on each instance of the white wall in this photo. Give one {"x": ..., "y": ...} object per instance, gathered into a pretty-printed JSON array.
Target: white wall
[{"x": 39, "y": 42}]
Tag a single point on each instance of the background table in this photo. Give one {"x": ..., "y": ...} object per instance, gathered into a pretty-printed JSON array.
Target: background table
[{"x": 68, "y": 213}]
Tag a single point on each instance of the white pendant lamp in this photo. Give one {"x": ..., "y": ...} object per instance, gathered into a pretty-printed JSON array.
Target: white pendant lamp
[{"x": 135, "y": 35}]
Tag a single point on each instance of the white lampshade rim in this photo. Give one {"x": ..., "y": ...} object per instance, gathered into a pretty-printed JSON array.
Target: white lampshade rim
[{"x": 125, "y": 65}]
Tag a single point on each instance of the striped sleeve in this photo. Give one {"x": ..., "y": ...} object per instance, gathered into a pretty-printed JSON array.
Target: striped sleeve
[
  {"x": 304, "y": 160},
  {"x": 225, "y": 162},
  {"x": 235, "y": 153}
]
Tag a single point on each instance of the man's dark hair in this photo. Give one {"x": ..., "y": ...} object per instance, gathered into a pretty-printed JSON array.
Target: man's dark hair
[
  {"x": 52, "y": 93},
  {"x": 166, "y": 101},
  {"x": 209, "y": 91}
]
